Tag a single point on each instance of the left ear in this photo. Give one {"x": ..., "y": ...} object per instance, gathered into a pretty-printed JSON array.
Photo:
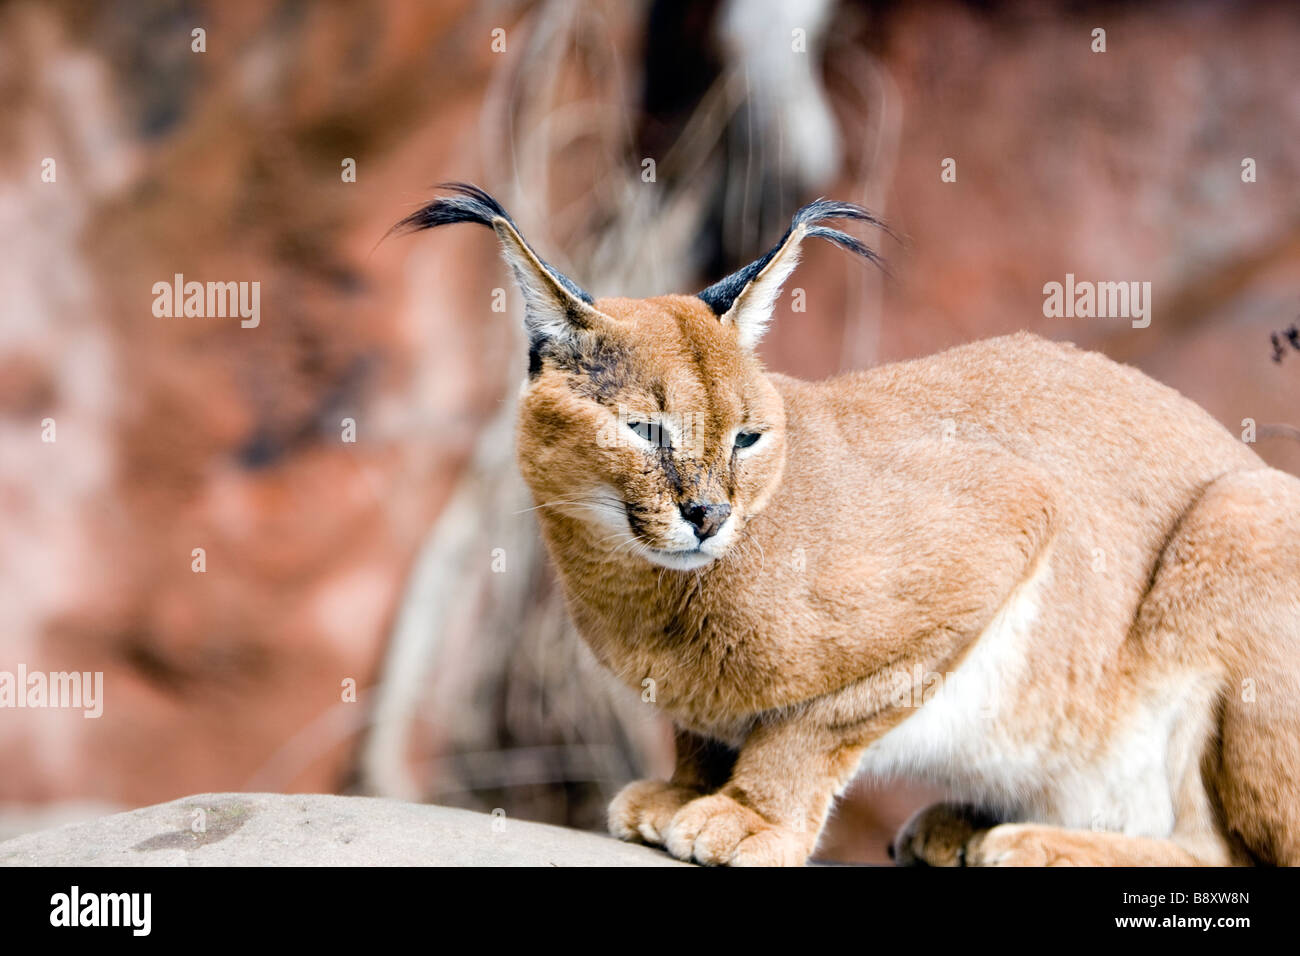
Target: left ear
[{"x": 746, "y": 298}]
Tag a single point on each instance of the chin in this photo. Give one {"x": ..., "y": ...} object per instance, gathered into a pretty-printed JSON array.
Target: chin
[{"x": 691, "y": 560}]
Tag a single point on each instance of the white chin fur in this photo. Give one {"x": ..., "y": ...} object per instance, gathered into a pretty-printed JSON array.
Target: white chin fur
[{"x": 678, "y": 560}]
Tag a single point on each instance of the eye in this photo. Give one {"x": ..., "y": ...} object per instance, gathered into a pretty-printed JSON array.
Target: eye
[
  {"x": 652, "y": 432},
  {"x": 745, "y": 439}
]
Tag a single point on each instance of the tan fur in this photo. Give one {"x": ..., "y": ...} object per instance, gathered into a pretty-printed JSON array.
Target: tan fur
[
  {"x": 1108, "y": 579},
  {"x": 899, "y": 510}
]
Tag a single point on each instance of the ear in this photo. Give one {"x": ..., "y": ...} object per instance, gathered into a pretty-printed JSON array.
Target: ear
[
  {"x": 746, "y": 298},
  {"x": 555, "y": 307}
]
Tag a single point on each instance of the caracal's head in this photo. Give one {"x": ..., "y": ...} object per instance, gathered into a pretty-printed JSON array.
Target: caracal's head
[{"x": 649, "y": 424}]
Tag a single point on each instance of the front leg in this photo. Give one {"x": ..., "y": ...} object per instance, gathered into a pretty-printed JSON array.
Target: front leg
[
  {"x": 771, "y": 811},
  {"x": 642, "y": 810}
]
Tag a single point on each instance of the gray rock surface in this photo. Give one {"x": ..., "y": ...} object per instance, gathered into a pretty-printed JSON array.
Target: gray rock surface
[{"x": 266, "y": 829}]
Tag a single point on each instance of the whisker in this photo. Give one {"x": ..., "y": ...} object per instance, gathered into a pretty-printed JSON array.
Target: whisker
[{"x": 547, "y": 504}]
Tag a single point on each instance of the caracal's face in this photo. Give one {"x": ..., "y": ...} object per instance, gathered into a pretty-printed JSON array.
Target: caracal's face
[{"x": 657, "y": 430}]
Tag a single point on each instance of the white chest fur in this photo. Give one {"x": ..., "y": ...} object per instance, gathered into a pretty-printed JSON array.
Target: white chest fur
[{"x": 956, "y": 738}]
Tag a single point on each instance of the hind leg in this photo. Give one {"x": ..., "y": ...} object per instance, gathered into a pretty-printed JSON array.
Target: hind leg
[
  {"x": 1229, "y": 587},
  {"x": 1035, "y": 844},
  {"x": 937, "y": 835},
  {"x": 948, "y": 834},
  {"x": 1223, "y": 612}
]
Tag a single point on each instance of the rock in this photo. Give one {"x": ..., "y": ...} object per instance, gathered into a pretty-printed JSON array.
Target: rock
[{"x": 264, "y": 829}]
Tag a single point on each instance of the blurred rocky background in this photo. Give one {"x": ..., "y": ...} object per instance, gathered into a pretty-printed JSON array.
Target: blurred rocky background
[{"x": 405, "y": 563}]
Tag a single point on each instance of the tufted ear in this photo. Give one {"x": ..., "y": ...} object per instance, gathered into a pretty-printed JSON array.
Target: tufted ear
[
  {"x": 746, "y": 298},
  {"x": 555, "y": 307}
]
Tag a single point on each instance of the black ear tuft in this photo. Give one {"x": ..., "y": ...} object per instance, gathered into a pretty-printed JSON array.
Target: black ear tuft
[
  {"x": 472, "y": 204},
  {"x": 722, "y": 294}
]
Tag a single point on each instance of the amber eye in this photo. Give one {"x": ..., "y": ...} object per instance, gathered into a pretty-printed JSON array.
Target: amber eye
[
  {"x": 652, "y": 432},
  {"x": 745, "y": 439}
]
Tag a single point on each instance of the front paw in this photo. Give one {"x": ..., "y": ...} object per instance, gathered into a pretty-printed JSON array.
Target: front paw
[
  {"x": 642, "y": 810},
  {"x": 939, "y": 835},
  {"x": 717, "y": 831}
]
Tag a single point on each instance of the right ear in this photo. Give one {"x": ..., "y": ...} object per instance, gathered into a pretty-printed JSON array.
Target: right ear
[
  {"x": 555, "y": 307},
  {"x": 747, "y": 298}
]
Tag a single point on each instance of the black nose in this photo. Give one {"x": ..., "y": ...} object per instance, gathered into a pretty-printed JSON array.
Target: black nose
[{"x": 706, "y": 517}]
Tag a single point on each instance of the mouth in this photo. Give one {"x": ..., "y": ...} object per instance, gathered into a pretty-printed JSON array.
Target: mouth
[{"x": 684, "y": 551}]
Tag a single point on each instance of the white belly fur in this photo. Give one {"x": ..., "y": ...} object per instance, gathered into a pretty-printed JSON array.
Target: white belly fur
[{"x": 959, "y": 740}]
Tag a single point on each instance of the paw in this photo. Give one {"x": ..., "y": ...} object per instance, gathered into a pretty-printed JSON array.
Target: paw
[
  {"x": 1024, "y": 844},
  {"x": 939, "y": 835},
  {"x": 642, "y": 810},
  {"x": 717, "y": 831}
]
